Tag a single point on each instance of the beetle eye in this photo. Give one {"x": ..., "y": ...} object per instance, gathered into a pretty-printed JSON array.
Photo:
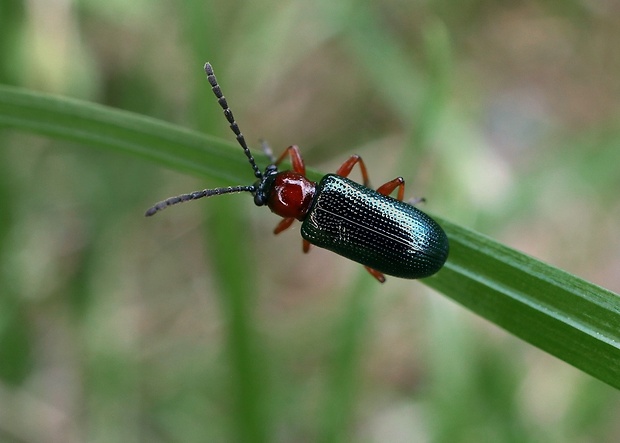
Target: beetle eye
[{"x": 259, "y": 198}]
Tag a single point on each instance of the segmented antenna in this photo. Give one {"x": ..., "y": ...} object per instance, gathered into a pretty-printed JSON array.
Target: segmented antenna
[
  {"x": 217, "y": 191},
  {"x": 196, "y": 195},
  {"x": 231, "y": 119}
]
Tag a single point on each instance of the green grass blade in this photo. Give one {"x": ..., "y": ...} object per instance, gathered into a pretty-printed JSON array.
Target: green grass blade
[
  {"x": 564, "y": 315},
  {"x": 115, "y": 130},
  {"x": 551, "y": 309}
]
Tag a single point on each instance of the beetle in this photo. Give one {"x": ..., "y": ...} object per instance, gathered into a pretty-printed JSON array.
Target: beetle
[{"x": 385, "y": 234}]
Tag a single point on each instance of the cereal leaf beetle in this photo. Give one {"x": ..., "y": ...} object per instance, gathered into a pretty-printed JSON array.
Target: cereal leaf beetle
[{"x": 385, "y": 234}]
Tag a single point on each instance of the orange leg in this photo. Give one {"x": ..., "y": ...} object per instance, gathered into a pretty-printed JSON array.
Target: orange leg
[
  {"x": 345, "y": 169},
  {"x": 285, "y": 223},
  {"x": 376, "y": 274},
  {"x": 389, "y": 187},
  {"x": 296, "y": 159},
  {"x": 306, "y": 245},
  {"x": 399, "y": 183}
]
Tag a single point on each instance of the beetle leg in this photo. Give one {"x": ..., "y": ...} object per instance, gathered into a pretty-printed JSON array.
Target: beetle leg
[
  {"x": 415, "y": 200},
  {"x": 376, "y": 274},
  {"x": 389, "y": 187},
  {"x": 345, "y": 169},
  {"x": 296, "y": 159},
  {"x": 285, "y": 223},
  {"x": 306, "y": 245},
  {"x": 267, "y": 150}
]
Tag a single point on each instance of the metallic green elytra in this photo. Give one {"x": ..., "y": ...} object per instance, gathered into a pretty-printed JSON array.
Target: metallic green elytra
[{"x": 375, "y": 230}]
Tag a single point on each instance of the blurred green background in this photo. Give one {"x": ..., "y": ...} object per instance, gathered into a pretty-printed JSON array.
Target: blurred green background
[{"x": 199, "y": 325}]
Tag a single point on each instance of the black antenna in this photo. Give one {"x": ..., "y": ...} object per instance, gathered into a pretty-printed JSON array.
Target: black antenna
[
  {"x": 235, "y": 128},
  {"x": 196, "y": 195},
  {"x": 231, "y": 119}
]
